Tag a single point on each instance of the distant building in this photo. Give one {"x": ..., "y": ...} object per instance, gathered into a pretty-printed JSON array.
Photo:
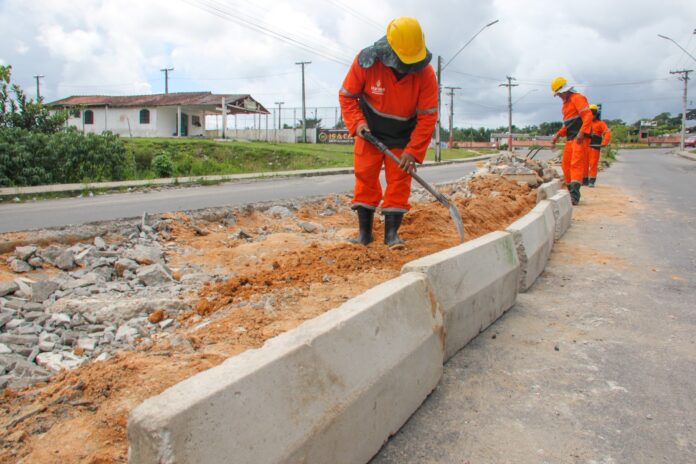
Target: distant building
[{"x": 153, "y": 115}]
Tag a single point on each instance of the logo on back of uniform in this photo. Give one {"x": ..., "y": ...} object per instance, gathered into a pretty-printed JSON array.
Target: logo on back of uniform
[{"x": 377, "y": 89}]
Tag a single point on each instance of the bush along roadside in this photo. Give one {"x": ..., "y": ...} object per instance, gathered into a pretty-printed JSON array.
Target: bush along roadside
[{"x": 35, "y": 158}]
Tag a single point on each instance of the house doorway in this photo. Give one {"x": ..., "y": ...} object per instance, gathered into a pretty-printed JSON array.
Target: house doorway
[{"x": 183, "y": 125}]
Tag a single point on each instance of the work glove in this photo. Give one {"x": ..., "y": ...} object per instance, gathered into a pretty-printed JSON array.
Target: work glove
[{"x": 580, "y": 138}]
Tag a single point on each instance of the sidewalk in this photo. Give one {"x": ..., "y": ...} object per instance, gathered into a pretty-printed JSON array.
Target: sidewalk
[
  {"x": 595, "y": 364},
  {"x": 56, "y": 188},
  {"x": 687, "y": 155}
]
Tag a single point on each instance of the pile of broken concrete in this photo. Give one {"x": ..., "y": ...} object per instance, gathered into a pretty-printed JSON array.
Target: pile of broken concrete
[
  {"x": 99, "y": 298},
  {"x": 521, "y": 169}
]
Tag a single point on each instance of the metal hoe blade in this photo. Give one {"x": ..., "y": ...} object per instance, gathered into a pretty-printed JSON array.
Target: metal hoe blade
[{"x": 458, "y": 223}]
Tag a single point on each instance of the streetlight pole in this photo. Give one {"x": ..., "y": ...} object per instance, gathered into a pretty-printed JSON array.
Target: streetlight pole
[
  {"x": 440, "y": 68},
  {"x": 675, "y": 43}
]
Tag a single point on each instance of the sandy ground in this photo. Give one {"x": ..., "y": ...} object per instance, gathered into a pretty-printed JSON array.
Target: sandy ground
[{"x": 279, "y": 282}]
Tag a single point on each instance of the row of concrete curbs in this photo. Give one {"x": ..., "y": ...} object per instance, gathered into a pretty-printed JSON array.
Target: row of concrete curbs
[{"x": 335, "y": 388}]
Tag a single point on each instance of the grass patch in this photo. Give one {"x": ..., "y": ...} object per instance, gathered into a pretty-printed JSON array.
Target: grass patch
[{"x": 205, "y": 157}]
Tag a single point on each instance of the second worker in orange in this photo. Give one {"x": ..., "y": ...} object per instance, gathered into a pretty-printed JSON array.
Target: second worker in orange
[{"x": 577, "y": 126}]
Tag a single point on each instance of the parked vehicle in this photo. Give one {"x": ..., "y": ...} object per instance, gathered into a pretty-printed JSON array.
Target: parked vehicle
[{"x": 690, "y": 141}]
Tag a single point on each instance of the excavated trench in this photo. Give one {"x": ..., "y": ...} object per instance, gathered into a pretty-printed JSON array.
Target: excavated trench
[{"x": 281, "y": 271}]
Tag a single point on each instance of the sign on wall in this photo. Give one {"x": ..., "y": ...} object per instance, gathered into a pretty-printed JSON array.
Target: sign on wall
[{"x": 334, "y": 136}]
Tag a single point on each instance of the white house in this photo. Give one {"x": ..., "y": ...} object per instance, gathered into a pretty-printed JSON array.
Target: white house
[{"x": 154, "y": 115}]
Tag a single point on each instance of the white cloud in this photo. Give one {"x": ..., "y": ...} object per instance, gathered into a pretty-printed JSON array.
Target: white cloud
[{"x": 110, "y": 46}]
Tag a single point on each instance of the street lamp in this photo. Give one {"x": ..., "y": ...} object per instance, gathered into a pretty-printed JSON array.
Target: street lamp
[
  {"x": 675, "y": 43},
  {"x": 440, "y": 68}
]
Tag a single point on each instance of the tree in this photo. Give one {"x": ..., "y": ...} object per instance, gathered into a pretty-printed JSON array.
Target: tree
[{"x": 17, "y": 111}]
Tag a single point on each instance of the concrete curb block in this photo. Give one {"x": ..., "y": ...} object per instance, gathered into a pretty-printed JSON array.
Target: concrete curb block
[
  {"x": 548, "y": 189},
  {"x": 533, "y": 235},
  {"x": 474, "y": 284},
  {"x": 332, "y": 390},
  {"x": 335, "y": 388},
  {"x": 562, "y": 212}
]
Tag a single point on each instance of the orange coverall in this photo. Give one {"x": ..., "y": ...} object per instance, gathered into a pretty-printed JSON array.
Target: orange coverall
[
  {"x": 601, "y": 135},
  {"x": 402, "y": 114},
  {"x": 577, "y": 117}
]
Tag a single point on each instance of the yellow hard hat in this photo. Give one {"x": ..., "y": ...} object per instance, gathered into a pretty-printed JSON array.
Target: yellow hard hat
[
  {"x": 559, "y": 84},
  {"x": 406, "y": 38},
  {"x": 594, "y": 107}
]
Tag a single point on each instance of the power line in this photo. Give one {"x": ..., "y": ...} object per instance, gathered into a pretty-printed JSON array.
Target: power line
[
  {"x": 357, "y": 14},
  {"x": 257, "y": 25}
]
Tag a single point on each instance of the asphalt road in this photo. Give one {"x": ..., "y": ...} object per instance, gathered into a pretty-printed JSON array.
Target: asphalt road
[{"x": 595, "y": 363}]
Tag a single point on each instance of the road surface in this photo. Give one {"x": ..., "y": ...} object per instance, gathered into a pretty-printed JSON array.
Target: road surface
[
  {"x": 53, "y": 213},
  {"x": 596, "y": 363},
  {"x": 70, "y": 211}
]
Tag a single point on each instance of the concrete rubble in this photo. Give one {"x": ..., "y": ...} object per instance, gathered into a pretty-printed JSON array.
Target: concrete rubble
[{"x": 97, "y": 304}]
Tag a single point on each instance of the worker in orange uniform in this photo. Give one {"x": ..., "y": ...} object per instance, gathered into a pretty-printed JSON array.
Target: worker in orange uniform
[
  {"x": 599, "y": 137},
  {"x": 391, "y": 91},
  {"x": 577, "y": 124}
]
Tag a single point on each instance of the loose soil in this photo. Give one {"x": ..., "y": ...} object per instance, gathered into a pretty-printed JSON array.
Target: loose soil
[{"x": 288, "y": 277}]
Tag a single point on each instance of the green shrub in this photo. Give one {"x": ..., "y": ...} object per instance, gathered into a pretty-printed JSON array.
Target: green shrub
[
  {"x": 162, "y": 165},
  {"x": 35, "y": 158}
]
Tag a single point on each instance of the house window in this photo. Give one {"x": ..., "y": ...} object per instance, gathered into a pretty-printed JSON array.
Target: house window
[
  {"x": 144, "y": 116},
  {"x": 196, "y": 121},
  {"x": 89, "y": 117}
]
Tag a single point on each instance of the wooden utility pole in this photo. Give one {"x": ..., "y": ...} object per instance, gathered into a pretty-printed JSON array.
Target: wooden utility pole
[
  {"x": 450, "y": 143},
  {"x": 38, "y": 87},
  {"x": 684, "y": 77},
  {"x": 166, "y": 78},
  {"x": 304, "y": 115},
  {"x": 509, "y": 85}
]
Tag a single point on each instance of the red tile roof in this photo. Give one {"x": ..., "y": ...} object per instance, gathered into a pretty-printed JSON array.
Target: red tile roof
[{"x": 162, "y": 99}]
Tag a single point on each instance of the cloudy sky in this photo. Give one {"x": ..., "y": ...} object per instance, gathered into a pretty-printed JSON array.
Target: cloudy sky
[{"x": 609, "y": 49}]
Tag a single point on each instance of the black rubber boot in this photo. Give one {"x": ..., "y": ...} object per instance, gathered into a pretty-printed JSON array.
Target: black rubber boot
[
  {"x": 365, "y": 218},
  {"x": 585, "y": 181},
  {"x": 574, "y": 189},
  {"x": 392, "y": 222},
  {"x": 592, "y": 181}
]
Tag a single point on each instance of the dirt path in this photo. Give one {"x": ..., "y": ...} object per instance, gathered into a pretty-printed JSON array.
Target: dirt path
[{"x": 278, "y": 282}]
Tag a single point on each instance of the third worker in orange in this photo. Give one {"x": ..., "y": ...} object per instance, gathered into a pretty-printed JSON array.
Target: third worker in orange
[{"x": 599, "y": 137}]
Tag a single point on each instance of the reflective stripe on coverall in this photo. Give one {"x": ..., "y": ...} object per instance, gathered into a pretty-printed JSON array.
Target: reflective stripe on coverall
[
  {"x": 601, "y": 136},
  {"x": 577, "y": 117},
  {"x": 402, "y": 113}
]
